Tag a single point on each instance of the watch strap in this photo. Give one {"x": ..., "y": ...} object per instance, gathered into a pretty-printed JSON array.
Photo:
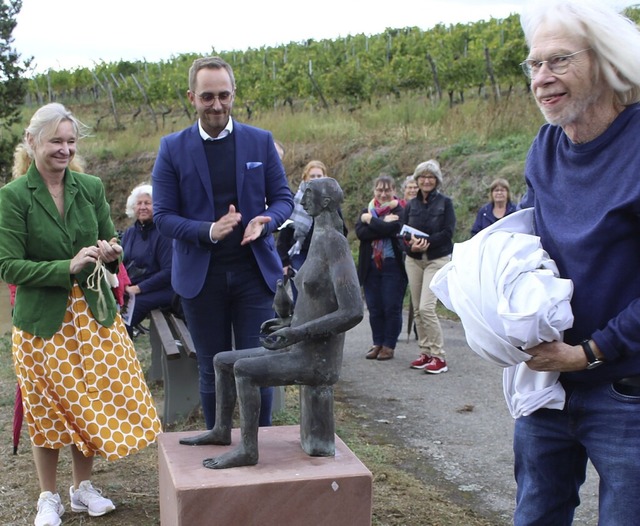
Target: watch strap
[{"x": 592, "y": 360}]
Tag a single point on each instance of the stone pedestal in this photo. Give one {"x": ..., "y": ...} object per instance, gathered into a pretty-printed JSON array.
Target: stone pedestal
[{"x": 286, "y": 487}]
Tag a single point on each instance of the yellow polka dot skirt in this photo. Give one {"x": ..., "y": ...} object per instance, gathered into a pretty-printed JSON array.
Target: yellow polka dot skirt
[{"x": 84, "y": 386}]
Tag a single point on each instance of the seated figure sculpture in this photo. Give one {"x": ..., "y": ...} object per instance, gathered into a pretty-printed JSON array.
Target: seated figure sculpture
[{"x": 304, "y": 349}]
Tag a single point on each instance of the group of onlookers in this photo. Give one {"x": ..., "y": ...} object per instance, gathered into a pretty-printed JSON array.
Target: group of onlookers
[{"x": 391, "y": 257}]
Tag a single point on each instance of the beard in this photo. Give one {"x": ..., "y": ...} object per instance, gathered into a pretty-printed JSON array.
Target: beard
[{"x": 579, "y": 107}]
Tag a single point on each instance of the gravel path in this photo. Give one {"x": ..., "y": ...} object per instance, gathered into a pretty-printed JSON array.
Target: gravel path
[{"x": 457, "y": 422}]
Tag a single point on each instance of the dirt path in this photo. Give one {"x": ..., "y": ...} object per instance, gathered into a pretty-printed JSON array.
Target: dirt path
[{"x": 457, "y": 422}]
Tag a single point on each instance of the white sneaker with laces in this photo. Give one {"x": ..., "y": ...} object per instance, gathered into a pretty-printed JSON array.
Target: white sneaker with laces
[
  {"x": 89, "y": 499},
  {"x": 50, "y": 509}
]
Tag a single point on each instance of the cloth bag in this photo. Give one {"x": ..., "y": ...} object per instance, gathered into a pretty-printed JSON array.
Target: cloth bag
[{"x": 508, "y": 294}]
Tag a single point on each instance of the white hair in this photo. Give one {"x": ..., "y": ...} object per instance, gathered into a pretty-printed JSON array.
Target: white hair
[
  {"x": 614, "y": 39},
  {"x": 406, "y": 181},
  {"x": 141, "y": 189},
  {"x": 429, "y": 167}
]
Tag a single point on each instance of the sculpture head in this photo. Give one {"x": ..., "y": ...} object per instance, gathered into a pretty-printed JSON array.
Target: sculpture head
[{"x": 322, "y": 194}]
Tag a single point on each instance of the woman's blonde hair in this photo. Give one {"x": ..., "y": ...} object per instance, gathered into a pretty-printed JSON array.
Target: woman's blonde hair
[
  {"x": 313, "y": 164},
  {"x": 43, "y": 125}
]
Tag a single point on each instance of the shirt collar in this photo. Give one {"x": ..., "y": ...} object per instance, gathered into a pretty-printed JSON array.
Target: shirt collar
[{"x": 227, "y": 130}]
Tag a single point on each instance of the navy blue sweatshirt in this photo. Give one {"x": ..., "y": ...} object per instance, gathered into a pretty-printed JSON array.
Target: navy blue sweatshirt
[{"x": 587, "y": 213}]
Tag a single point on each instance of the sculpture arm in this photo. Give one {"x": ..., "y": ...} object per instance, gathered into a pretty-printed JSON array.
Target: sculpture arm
[{"x": 349, "y": 313}]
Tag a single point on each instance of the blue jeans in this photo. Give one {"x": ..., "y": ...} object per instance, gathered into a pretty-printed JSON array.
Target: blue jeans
[
  {"x": 384, "y": 292},
  {"x": 551, "y": 449},
  {"x": 227, "y": 314}
]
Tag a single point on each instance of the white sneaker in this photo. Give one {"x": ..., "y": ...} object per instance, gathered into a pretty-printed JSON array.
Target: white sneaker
[
  {"x": 89, "y": 499},
  {"x": 50, "y": 509}
]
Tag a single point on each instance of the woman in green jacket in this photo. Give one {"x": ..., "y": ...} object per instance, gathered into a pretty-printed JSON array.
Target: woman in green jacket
[{"x": 82, "y": 385}]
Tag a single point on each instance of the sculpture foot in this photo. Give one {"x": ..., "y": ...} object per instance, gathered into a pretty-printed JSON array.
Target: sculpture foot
[
  {"x": 211, "y": 437},
  {"x": 232, "y": 459}
]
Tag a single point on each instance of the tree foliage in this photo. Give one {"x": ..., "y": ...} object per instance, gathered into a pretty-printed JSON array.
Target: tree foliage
[
  {"x": 443, "y": 62},
  {"x": 12, "y": 85}
]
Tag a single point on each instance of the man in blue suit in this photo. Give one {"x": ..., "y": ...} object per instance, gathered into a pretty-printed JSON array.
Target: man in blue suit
[{"x": 220, "y": 191}]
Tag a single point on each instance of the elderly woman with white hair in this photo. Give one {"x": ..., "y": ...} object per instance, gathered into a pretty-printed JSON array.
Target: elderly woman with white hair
[
  {"x": 147, "y": 258},
  {"x": 431, "y": 214}
]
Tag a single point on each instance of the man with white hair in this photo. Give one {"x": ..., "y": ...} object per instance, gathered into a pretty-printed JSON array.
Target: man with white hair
[{"x": 582, "y": 181}]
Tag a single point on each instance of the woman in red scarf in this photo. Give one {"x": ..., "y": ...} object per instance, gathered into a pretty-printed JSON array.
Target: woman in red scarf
[{"x": 381, "y": 267}]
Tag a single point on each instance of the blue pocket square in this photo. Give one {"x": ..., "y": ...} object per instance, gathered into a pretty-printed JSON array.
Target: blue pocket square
[{"x": 253, "y": 164}]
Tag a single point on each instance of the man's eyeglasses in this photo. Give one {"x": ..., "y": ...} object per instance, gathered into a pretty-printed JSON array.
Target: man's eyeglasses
[
  {"x": 209, "y": 98},
  {"x": 558, "y": 64}
]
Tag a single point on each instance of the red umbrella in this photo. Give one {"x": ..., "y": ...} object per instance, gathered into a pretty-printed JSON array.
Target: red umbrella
[
  {"x": 18, "y": 415},
  {"x": 18, "y": 411}
]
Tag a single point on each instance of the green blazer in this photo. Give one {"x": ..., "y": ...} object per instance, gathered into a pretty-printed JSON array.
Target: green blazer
[{"x": 37, "y": 245}]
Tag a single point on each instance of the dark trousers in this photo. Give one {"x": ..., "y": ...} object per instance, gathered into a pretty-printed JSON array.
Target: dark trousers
[
  {"x": 384, "y": 291},
  {"x": 600, "y": 423},
  {"x": 225, "y": 315},
  {"x": 146, "y": 302}
]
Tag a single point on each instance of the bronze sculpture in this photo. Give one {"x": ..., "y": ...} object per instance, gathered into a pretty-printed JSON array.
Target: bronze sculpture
[{"x": 302, "y": 349}]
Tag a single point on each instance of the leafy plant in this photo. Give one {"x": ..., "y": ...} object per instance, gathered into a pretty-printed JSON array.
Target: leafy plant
[{"x": 12, "y": 85}]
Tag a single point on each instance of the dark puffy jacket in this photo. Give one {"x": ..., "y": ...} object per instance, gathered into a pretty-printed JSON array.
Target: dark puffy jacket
[{"x": 437, "y": 218}]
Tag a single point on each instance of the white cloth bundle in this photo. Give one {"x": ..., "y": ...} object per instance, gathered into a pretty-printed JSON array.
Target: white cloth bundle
[{"x": 507, "y": 293}]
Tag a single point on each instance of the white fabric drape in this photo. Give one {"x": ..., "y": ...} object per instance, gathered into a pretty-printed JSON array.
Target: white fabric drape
[{"x": 507, "y": 293}]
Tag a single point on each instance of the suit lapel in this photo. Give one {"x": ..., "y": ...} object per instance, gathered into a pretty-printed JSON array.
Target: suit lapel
[
  {"x": 195, "y": 150},
  {"x": 70, "y": 192},
  {"x": 238, "y": 133},
  {"x": 43, "y": 197}
]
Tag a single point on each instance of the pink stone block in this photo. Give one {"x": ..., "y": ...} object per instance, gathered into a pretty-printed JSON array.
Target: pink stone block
[{"x": 286, "y": 488}]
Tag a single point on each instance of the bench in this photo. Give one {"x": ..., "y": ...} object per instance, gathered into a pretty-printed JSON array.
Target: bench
[{"x": 173, "y": 362}]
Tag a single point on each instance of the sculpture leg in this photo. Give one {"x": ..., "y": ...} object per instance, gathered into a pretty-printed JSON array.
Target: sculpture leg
[
  {"x": 220, "y": 434},
  {"x": 246, "y": 454},
  {"x": 317, "y": 426}
]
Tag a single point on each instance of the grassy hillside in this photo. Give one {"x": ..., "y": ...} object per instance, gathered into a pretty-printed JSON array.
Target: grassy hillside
[{"x": 474, "y": 142}]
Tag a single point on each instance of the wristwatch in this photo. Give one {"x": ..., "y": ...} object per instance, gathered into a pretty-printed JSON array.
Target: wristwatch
[{"x": 592, "y": 361}]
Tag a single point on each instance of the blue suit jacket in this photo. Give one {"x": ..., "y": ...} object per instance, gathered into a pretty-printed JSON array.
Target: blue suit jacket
[{"x": 183, "y": 201}]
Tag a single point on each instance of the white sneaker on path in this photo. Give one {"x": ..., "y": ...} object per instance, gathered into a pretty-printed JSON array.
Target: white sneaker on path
[
  {"x": 50, "y": 509},
  {"x": 89, "y": 499}
]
